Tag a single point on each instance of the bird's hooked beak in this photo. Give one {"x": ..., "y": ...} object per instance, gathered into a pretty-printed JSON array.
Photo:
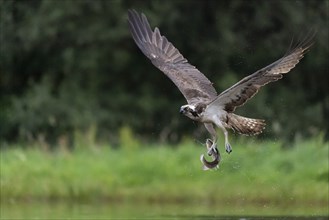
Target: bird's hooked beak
[{"x": 182, "y": 110}]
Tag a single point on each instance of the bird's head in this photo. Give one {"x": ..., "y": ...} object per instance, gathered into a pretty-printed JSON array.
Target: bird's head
[{"x": 189, "y": 111}]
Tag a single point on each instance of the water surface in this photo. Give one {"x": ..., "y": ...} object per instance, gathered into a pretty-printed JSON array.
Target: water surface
[{"x": 137, "y": 210}]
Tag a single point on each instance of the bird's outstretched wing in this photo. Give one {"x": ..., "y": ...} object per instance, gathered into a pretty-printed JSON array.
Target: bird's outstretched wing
[
  {"x": 242, "y": 91},
  {"x": 190, "y": 81}
]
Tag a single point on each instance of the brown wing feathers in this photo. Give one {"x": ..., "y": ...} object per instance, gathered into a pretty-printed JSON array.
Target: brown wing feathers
[
  {"x": 246, "y": 88},
  {"x": 190, "y": 81}
]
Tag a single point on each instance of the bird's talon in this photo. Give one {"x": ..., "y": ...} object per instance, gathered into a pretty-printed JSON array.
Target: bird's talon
[
  {"x": 212, "y": 147},
  {"x": 228, "y": 148},
  {"x": 209, "y": 143},
  {"x": 212, "y": 151}
]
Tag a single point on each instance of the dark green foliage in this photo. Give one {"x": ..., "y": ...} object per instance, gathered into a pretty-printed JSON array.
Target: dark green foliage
[{"x": 67, "y": 66}]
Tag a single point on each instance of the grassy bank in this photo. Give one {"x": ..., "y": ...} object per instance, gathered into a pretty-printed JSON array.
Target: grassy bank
[{"x": 259, "y": 172}]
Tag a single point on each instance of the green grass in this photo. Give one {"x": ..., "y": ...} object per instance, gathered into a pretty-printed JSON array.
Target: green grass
[{"x": 258, "y": 172}]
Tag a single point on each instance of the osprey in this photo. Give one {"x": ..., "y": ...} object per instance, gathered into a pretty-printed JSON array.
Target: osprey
[{"x": 203, "y": 103}]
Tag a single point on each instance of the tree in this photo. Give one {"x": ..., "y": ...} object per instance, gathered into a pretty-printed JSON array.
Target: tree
[{"x": 70, "y": 65}]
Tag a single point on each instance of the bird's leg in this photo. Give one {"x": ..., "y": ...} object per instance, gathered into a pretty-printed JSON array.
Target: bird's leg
[
  {"x": 212, "y": 149},
  {"x": 228, "y": 147}
]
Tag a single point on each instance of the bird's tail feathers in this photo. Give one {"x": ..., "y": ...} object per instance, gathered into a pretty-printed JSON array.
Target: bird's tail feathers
[{"x": 246, "y": 126}]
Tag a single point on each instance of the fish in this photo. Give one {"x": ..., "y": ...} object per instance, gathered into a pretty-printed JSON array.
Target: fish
[{"x": 214, "y": 153}]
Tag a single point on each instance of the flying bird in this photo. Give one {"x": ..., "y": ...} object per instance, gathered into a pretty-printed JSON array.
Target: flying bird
[{"x": 203, "y": 103}]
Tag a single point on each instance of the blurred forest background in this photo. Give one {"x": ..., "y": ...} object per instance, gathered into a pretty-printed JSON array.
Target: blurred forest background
[{"x": 71, "y": 72}]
